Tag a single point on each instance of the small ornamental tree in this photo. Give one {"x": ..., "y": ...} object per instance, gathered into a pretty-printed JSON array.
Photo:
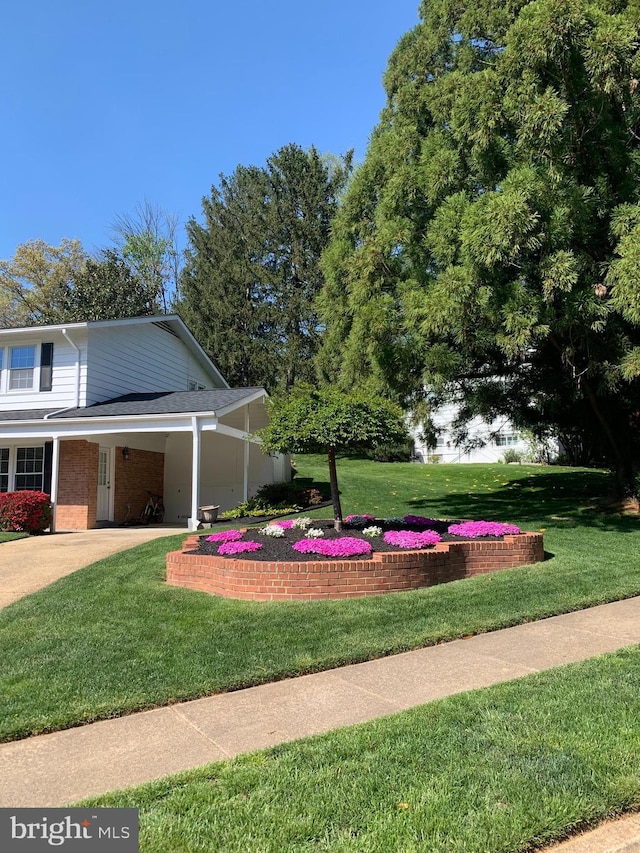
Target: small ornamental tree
[{"x": 310, "y": 420}]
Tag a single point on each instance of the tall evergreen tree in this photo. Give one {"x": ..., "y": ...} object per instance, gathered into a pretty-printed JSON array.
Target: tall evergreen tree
[
  {"x": 488, "y": 246},
  {"x": 252, "y": 268}
]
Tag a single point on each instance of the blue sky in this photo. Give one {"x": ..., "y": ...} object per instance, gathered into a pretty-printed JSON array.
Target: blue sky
[{"x": 108, "y": 104}]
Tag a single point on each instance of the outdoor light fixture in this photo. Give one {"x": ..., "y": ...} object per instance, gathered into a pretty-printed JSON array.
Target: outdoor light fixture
[{"x": 125, "y": 453}]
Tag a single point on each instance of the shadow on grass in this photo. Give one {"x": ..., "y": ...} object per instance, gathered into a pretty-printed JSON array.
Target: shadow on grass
[
  {"x": 564, "y": 498},
  {"x": 575, "y": 498}
]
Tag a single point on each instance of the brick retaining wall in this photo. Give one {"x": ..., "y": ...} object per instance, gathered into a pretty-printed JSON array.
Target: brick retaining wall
[{"x": 384, "y": 572}]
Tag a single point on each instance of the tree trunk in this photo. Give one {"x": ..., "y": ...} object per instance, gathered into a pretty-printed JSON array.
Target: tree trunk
[
  {"x": 624, "y": 468},
  {"x": 335, "y": 494}
]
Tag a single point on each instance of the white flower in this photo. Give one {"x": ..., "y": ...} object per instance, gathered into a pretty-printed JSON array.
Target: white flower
[
  {"x": 302, "y": 523},
  {"x": 273, "y": 530},
  {"x": 372, "y": 531},
  {"x": 314, "y": 533}
]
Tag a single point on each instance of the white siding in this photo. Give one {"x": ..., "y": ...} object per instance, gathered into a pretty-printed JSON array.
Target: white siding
[
  {"x": 480, "y": 433},
  {"x": 63, "y": 390},
  {"x": 139, "y": 358},
  {"x": 221, "y": 473}
]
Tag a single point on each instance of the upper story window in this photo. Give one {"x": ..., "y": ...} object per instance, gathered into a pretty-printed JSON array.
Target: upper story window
[
  {"x": 196, "y": 386},
  {"x": 22, "y": 364},
  {"x": 26, "y": 367}
]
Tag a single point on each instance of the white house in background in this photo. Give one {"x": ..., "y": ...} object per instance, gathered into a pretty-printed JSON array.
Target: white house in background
[
  {"x": 97, "y": 413},
  {"x": 486, "y": 442}
]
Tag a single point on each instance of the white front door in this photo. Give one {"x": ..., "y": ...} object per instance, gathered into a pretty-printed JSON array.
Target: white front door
[{"x": 104, "y": 483}]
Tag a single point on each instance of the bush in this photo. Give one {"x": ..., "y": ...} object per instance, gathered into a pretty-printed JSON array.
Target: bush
[
  {"x": 27, "y": 511},
  {"x": 291, "y": 493},
  {"x": 394, "y": 452},
  {"x": 276, "y": 498},
  {"x": 510, "y": 456}
]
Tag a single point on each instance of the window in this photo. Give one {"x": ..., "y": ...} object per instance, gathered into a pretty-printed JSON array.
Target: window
[
  {"x": 21, "y": 366},
  {"x": 507, "y": 439},
  {"x": 29, "y": 468},
  {"x": 46, "y": 365},
  {"x": 4, "y": 466},
  {"x": 196, "y": 386}
]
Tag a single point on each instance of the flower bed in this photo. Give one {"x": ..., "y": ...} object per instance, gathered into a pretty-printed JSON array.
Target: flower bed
[{"x": 304, "y": 563}]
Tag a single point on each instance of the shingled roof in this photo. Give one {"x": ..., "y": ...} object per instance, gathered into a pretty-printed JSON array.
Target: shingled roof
[{"x": 163, "y": 403}]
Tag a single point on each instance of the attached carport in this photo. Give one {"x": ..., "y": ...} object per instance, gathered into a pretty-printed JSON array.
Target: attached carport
[{"x": 94, "y": 451}]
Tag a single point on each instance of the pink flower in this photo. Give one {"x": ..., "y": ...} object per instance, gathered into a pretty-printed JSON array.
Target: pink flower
[
  {"x": 226, "y": 536},
  {"x": 474, "y": 529},
  {"x": 285, "y": 525},
  {"x": 228, "y": 548},
  {"x": 345, "y": 546},
  {"x": 419, "y": 520},
  {"x": 409, "y": 539}
]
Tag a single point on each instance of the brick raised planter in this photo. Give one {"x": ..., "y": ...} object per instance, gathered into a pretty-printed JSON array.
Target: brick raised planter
[{"x": 384, "y": 572}]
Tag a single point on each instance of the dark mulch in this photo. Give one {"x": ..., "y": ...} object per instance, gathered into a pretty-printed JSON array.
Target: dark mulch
[{"x": 280, "y": 550}]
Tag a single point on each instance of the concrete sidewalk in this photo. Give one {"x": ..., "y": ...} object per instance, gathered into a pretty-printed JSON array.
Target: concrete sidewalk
[
  {"x": 64, "y": 767},
  {"x": 27, "y": 565},
  {"x": 614, "y": 836}
]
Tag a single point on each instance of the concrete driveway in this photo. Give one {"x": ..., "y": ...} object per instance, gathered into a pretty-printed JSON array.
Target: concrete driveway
[{"x": 27, "y": 565}]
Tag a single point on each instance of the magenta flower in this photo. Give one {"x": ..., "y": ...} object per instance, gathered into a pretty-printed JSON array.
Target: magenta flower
[
  {"x": 226, "y": 536},
  {"x": 285, "y": 525},
  {"x": 474, "y": 529},
  {"x": 419, "y": 520},
  {"x": 409, "y": 539},
  {"x": 345, "y": 546},
  {"x": 229, "y": 548}
]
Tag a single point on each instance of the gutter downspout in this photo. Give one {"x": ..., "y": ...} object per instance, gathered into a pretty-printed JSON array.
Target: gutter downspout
[
  {"x": 77, "y": 380},
  {"x": 77, "y": 349}
]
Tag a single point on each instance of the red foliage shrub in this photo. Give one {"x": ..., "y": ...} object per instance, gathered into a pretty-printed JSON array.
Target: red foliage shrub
[{"x": 26, "y": 511}]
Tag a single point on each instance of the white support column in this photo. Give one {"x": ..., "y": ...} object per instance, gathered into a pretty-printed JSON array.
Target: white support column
[
  {"x": 245, "y": 481},
  {"x": 55, "y": 467},
  {"x": 195, "y": 474}
]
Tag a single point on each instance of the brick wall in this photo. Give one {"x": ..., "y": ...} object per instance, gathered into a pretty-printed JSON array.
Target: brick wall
[
  {"x": 144, "y": 469},
  {"x": 385, "y": 572},
  {"x": 76, "y": 506}
]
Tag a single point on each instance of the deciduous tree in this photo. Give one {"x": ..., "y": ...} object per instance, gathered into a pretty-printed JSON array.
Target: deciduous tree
[
  {"x": 310, "y": 420},
  {"x": 34, "y": 280},
  {"x": 147, "y": 240}
]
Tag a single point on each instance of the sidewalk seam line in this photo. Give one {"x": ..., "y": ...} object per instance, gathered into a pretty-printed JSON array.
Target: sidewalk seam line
[{"x": 184, "y": 719}]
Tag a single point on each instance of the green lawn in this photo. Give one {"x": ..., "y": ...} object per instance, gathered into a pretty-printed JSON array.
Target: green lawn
[
  {"x": 9, "y": 537},
  {"x": 114, "y": 638},
  {"x": 499, "y": 770}
]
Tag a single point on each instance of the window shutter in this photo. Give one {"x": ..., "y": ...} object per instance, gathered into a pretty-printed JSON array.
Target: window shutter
[{"x": 46, "y": 366}]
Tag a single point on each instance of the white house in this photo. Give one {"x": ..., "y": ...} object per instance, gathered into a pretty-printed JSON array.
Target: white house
[
  {"x": 486, "y": 442},
  {"x": 99, "y": 413}
]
